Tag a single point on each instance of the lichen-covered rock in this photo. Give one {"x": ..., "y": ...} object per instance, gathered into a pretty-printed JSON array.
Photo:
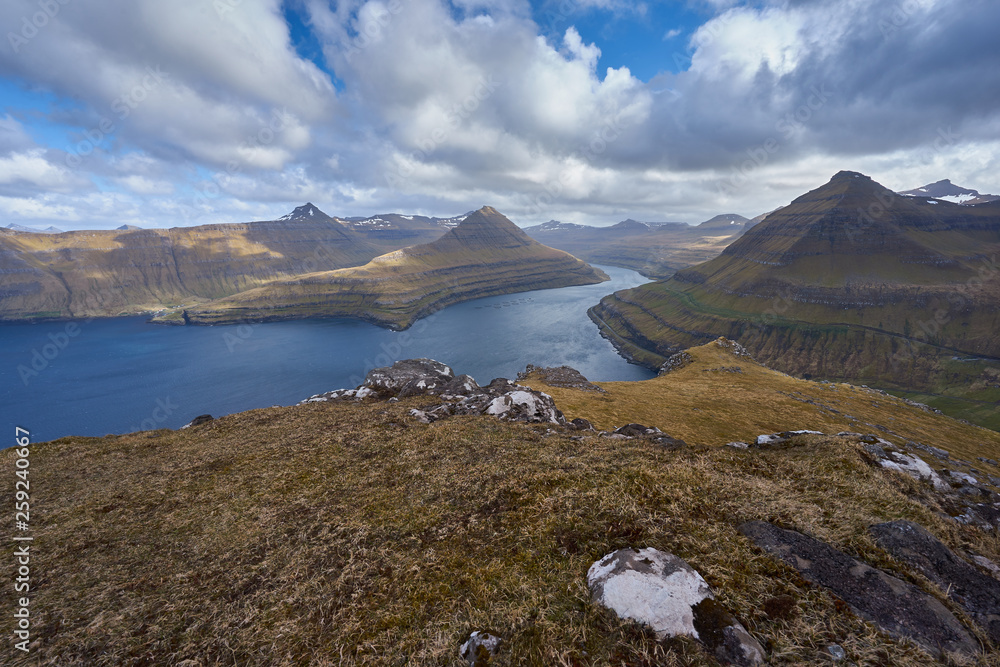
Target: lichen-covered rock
[
  {"x": 525, "y": 405},
  {"x": 414, "y": 374},
  {"x": 976, "y": 592},
  {"x": 478, "y": 650},
  {"x": 664, "y": 592},
  {"x": 651, "y": 587},
  {"x": 899, "y": 608}
]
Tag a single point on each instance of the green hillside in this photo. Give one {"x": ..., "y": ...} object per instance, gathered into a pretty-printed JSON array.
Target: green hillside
[{"x": 849, "y": 281}]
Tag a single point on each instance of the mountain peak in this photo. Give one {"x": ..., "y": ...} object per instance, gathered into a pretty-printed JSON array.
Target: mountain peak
[
  {"x": 306, "y": 212},
  {"x": 485, "y": 228},
  {"x": 948, "y": 191}
]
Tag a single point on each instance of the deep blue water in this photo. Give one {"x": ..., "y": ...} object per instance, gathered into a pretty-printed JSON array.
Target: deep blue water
[{"x": 120, "y": 375}]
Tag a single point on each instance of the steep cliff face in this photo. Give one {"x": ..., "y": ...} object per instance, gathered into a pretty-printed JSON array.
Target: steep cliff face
[
  {"x": 849, "y": 281},
  {"x": 483, "y": 256},
  {"x": 107, "y": 273}
]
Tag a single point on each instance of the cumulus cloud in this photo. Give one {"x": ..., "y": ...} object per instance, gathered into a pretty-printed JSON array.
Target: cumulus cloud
[{"x": 440, "y": 107}]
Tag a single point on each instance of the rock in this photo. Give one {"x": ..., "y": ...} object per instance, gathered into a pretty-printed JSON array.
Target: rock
[
  {"x": 934, "y": 451},
  {"x": 461, "y": 385},
  {"x": 419, "y": 374},
  {"x": 479, "y": 648},
  {"x": 561, "y": 376},
  {"x": 989, "y": 461},
  {"x": 635, "y": 430},
  {"x": 987, "y": 564},
  {"x": 726, "y": 636},
  {"x": 962, "y": 478},
  {"x": 580, "y": 424},
  {"x": 668, "y": 442},
  {"x": 915, "y": 467},
  {"x": 977, "y": 593},
  {"x": 525, "y": 405},
  {"x": 738, "y": 445},
  {"x": 198, "y": 421},
  {"x": 676, "y": 361},
  {"x": 733, "y": 347},
  {"x": 898, "y": 608},
  {"x": 782, "y": 438},
  {"x": 662, "y": 591},
  {"x": 499, "y": 386},
  {"x": 651, "y": 587},
  {"x": 835, "y": 652}
]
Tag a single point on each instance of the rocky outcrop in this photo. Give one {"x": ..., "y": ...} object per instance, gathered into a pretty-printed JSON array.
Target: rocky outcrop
[
  {"x": 977, "y": 593},
  {"x": 662, "y": 591},
  {"x": 456, "y": 395},
  {"x": 899, "y": 608}
]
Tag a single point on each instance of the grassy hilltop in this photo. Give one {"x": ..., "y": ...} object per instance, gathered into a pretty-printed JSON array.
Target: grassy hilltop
[{"x": 351, "y": 533}]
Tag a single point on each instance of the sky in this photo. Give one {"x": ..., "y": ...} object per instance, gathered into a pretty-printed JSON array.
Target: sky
[{"x": 187, "y": 112}]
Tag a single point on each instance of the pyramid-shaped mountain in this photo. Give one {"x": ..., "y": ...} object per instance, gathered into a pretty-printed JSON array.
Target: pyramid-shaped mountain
[
  {"x": 307, "y": 212},
  {"x": 485, "y": 255},
  {"x": 849, "y": 281}
]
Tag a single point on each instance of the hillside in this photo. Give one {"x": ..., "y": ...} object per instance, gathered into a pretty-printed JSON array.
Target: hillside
[
  {"x": 485, "y": 255},
  {"x": 348, "y": 532},
  {"x": 120, "y": 272},
  {"x": 849, "y": 281},
  {"x": 656, "y": 250}
]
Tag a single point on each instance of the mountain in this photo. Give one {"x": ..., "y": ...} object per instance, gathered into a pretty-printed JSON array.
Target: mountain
[
  {"x": 655, "y": 249},
  {"x": 485, "y": 255},
  {"x": 21, "y": 228},
  {"x": 308, "y": 213},
  {"x": 350, "y": 532},
  {"x": 119, "y": 272},
  {"x": 395, "y": 230},
  {"x": 850, "y": 281},
  {"x": 127, "y": 228},
  {"x": 947, "y": 191}
]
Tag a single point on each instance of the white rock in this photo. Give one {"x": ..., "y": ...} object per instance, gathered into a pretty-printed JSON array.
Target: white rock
[
  {"x": 649, "y": 586},
  {"x": 915, "y": 467}
]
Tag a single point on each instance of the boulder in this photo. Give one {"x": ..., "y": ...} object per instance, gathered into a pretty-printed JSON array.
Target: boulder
[
  {"x": 198, "y": 421},
  {"x": 781, "y": 438},
  {"x": 915, "y": 467},
  {"x": 415, "y": 374},
  {"x": 898, "y": 608},
  {"x": 976, "y": 592},
  {"x": 726, "y": 636},
  {"x": 525, "y": 405},
  {"x": 651, "y": 587},
  {"x": 479, "y": 648},
  {"x": 561, "y": 376},
  {"x": 662, "y": 591}
]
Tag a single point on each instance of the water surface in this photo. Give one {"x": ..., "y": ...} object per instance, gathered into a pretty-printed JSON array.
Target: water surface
[{"x": 120, "y": 375}]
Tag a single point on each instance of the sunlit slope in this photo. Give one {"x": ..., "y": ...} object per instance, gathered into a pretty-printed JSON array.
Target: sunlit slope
[
  {"x": 107, "y": 273},
  {"x": 850, "y": 281},
  {"x": 485, "y": 255}
]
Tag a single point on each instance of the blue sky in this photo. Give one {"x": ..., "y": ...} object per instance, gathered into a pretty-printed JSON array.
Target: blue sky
[{"x": 592, "y": 111}]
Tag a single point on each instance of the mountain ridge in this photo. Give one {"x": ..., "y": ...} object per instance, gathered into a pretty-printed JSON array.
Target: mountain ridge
[
  {"x": 850, "y": 281},
  {"x": 485, "y": 255}
]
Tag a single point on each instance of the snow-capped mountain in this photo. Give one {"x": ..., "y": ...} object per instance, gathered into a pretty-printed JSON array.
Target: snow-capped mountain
[
  {"x": 947, "y": 191},
  {"x": 21, "y": 228},
  {"x": 305, "y": 212}
]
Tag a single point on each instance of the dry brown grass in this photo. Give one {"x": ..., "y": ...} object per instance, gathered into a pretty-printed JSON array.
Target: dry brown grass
[
  {"x": 351, "y": 534},
  {"x": 702, "y": 403}
]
